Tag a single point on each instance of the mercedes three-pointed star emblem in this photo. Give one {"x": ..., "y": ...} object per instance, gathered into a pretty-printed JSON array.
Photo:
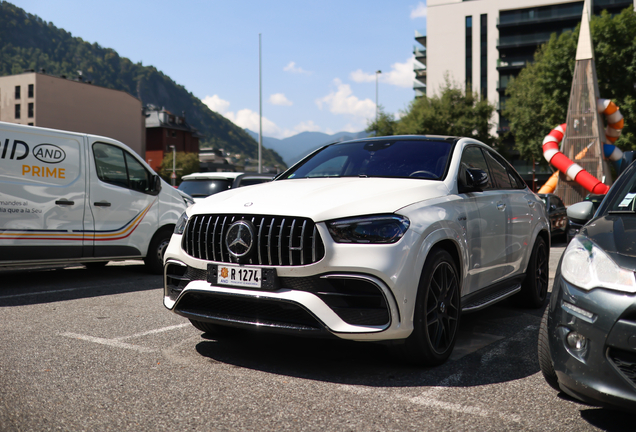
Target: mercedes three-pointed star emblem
[{"x": 239, "y": 239}]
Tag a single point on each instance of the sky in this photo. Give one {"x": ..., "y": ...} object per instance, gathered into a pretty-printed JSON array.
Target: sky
[{"x": 318, "y": 57}]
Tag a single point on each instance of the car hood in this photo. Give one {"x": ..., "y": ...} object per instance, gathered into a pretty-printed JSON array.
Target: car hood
[
  {"x": 323, "y": 198},
  {"x": 616, "y": 235}
]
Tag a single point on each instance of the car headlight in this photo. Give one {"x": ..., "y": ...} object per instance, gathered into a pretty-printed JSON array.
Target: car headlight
[
  {"x": 587, "y": 266},
  {"x": 368, "y": 229},
  {"x": 181, "y": 224}
]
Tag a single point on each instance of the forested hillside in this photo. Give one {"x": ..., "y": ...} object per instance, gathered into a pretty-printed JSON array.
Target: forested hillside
[{"x": 28, "y": 42}]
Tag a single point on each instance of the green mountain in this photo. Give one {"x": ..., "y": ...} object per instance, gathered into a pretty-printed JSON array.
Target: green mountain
[{"x": 28, "y": 42}]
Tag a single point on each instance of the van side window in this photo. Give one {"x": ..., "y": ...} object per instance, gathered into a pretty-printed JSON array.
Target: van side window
[{"x": 118, "y": 167}]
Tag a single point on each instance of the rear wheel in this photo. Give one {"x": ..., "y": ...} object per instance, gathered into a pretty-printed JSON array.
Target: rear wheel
[
  {"x": 156, "y": 250},
  {"x": 534, "y": 289},
  {"x": 545, "y": 358},
  {"x": 437, "y": 312}
]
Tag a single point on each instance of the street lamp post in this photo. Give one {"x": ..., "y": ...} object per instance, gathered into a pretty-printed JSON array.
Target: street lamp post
[{"x": 377, "y": 73}]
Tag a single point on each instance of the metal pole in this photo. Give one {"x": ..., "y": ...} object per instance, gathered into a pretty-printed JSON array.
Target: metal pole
[
  {"x": 174, "y": 166},
  {"x": 376, "y": 96},
  {"x": 260, "y": 108}
]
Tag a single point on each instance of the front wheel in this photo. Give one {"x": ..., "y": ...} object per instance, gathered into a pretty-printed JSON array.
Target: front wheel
[
  {"x": 156, "y": 250},
  {"x": 437, "y": 312},
  {"x": 543, "y": 351},
  {"x": 534, "y": 289}
]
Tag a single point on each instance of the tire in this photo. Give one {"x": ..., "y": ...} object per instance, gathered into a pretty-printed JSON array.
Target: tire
[
  {"x": 545, "y": 358},
  {"x": 534, "y": 289},
  {"x": 437, "y": 312},
  {"x": 156, "y": 250}
]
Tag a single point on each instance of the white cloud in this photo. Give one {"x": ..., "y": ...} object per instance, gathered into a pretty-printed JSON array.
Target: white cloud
[
  {"x": 342, "y": 101},
  {"x": 419, "y": 11},
  {"x": 215, "y": 103},
  {"x": 291, "y": 67},
  {"x": 279, "y": 99},
  {"x": 245, "y": 118},
  {"x": 361, "y": 77},
  {"x": 400, "y": 75}
]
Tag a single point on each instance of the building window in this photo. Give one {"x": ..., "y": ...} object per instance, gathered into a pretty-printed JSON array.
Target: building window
[
  {"x": 17, "y": 111},
  {"x": 469, "y": 53},
  {"x": 30, "y": 113},
  {"x": 484, "y": 55},
  {"x": 174, "y": 134},
  {"x": 31, "y": 124},
  {"x": 30, "y": 90},
  {"x": 17, "y": 92}
]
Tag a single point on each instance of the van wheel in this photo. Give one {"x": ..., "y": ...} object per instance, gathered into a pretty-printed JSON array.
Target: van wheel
[
  {"x": 437, "y": 312},
  {"x": 156, "y": 250},
  {"x": 534, "y": 289}
]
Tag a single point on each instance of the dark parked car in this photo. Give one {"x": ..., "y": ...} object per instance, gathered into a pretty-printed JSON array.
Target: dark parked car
[
  {"x": 587, "y": 338},
  {"x": 202, "y": 185},
  {"x": 556, "y": 213}
]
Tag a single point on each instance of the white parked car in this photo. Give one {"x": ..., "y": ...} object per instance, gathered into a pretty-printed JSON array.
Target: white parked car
[{"x": 379, "y": 239}]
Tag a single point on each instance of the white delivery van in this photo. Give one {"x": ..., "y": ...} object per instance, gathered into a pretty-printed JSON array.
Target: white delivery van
[{"x": 71, "y": 197}]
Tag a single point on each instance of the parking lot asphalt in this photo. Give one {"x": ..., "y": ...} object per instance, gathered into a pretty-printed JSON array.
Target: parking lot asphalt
[{"x": 96, "y": 350}]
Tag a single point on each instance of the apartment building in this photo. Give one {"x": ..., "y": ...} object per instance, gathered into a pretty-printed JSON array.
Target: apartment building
[{"x": 37, "y": 99}]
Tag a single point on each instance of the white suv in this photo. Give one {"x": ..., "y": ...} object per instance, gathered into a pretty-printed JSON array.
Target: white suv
[{"x": 380, "y": 239}]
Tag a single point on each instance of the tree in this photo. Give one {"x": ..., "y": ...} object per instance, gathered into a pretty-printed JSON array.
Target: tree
[
  {"x": 385, "y": 124},
  {"x": 539, "y": 96},
  {"x": 452, "y": 112},
  {"x": 186, "y": 163}
]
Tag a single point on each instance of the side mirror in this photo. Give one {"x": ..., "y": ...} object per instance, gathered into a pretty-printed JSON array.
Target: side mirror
[
  {"x": 581, "y": 212},
  {"x": 156, "y": 184},
  {"x": 472, "y": 180}
]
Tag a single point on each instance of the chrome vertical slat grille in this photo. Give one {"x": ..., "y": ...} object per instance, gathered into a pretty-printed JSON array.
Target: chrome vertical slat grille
[{"x": 280, "y": 241}]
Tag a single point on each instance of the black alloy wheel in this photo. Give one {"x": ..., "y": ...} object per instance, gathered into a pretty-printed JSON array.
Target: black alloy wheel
[
  {"x": 534, "y": 289},
  {"x": 437, "y": 312}
]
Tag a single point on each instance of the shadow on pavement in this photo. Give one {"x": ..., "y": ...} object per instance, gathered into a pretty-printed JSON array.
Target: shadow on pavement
[
  {"x": 508, "y": 353},
  {"x": 53, "y": 284}
]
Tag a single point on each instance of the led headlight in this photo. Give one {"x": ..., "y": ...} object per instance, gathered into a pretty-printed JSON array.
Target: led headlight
[
  {"x": 181, "y": 224},
  {"x": 587, "y": 266},
  {"x": 368, "y": 229}
]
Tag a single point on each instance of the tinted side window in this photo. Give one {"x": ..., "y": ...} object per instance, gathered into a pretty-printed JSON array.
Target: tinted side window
[
  {"x": 499, "y": 173},
  {"x": 474, "y": 158},
  {"x": 118, "y": 167},
  {"x": 558, "y": 202}
]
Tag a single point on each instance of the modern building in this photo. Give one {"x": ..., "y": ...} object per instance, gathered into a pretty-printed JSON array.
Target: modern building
[
  {"x": 37, "y": 99},
  {"x": 483, "y": 44},
  {"x": 164, "y": 131}
]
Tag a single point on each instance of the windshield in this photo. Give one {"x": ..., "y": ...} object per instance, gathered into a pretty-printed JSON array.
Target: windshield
[
  {"x": 622, "y": 198},
  {"x": 383, "y": 158},
  {"x": 203, "y": 188}
]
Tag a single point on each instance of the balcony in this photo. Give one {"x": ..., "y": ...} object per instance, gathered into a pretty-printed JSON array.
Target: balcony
[
  {"x": 421, "y": 38},
  {"x": 512, "y": 63},
  {"x": 544, "y": 14}
]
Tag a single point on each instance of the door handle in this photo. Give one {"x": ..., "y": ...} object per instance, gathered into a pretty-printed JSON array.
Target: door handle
[
  {"x": 501, "y": 206},
  {"x": 64, "y": 202},
  {"x": 101, "y": 204},
  {"x": 531, "y": 204}
]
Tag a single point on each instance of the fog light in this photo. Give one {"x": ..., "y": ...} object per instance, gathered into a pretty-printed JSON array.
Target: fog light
[{"x": 576, "y": 340}]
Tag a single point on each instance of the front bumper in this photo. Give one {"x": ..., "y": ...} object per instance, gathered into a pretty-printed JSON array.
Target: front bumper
[
  {"x": 352, "y": 293},
  {"x": 603, "y": 371}
]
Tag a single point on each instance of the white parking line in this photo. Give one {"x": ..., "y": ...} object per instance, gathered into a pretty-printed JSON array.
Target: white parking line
[
  {"x": 161, "y": 330},
  {"x": 116, "y": 342}
]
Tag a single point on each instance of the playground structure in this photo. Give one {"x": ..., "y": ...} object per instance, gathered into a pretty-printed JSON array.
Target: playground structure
[{"x": 582, "y": 135}]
